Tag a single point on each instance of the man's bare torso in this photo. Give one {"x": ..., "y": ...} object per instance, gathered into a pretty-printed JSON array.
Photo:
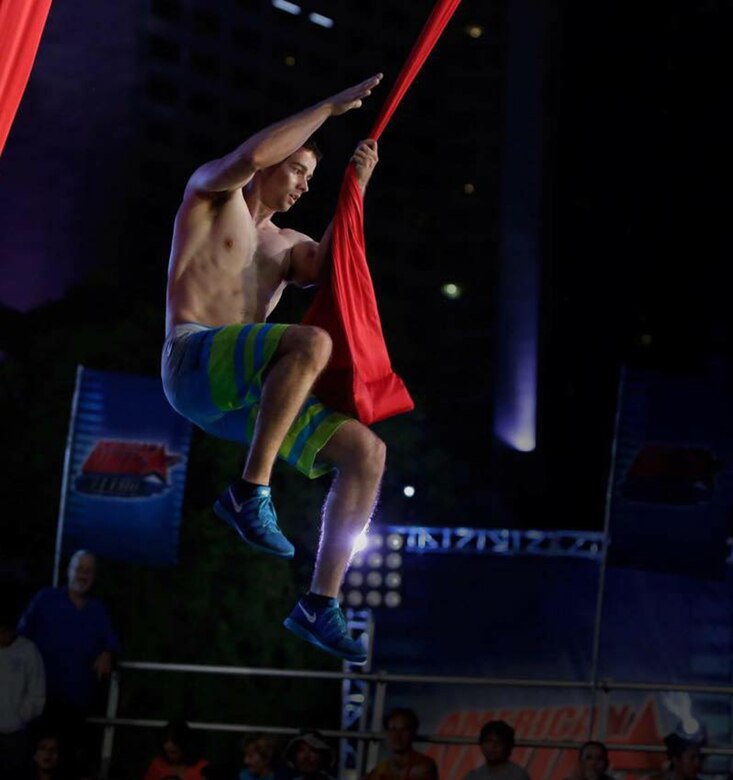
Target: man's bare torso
[{"x": 223, "y": 268}]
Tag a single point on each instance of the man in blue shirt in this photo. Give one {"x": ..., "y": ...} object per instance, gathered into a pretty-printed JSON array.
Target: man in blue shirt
[{"x": 75, "y": 637}]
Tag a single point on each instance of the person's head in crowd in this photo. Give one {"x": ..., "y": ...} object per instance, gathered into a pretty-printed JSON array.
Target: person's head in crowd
[
  {"x": 258, "y": 752},
  {"x": 309, "y": 754},
  {"x": 46, "y": 760},
  {"x": 177, "y": 744},
  {"x": 685, "y": 757},
  {"x": 592, "y": 760},
  {"x": 401, "y": 725},
  {"x": 81, "y": 573},
  {"x": 496, "y": 740}
]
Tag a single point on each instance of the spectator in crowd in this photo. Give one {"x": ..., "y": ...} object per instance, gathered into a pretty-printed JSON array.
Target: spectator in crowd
[
  {"x": 22, "y": 693},
  {"x": 75, "y": 636},
  {"x": 309, "y": 757},
  {"x": 496, "y": 741},
  {"x": 592, "y": 762},
  {"x": 685, "y": 757},
  {"x": 178, "y": 757},
  {"x": 46, "y": 763},
  {"x": 257, "y": 756},
  {"x": 403, "y": 762}
]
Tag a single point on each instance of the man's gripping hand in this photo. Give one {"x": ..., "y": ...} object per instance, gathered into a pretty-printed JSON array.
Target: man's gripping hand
[
  {"x": 365, "y": 159},
  {"x": 352, "y": 97}
]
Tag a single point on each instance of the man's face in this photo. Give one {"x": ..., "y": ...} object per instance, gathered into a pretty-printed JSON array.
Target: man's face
[
  {"x": 593, "y": 761},
  {"x": 494, "y": 749},
  {"x": 307, "y": 759},
  {"x": 282, "y": 185},
  {"x": 399, "y": 735},
  {"x": 172, "y": 752},
  {"x": 46, "y": 756},
  {"x": 81, "y": 574}
]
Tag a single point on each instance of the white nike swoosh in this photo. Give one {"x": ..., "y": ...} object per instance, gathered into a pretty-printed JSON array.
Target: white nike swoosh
[
  {"x": 310, "y": 618},
  {"x": 237, "y": 507}
]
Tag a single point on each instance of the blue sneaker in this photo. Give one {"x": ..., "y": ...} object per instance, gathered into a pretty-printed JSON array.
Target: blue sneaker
[
  {"x": 255, "y": 521},
  {"x": 325, "y": 627}
]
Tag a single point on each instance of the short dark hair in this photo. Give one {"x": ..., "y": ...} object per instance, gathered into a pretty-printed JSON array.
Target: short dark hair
[
  {"x": 500, "y": 729},
  {"x": 413, "y": 722},
  {"x": 311, "y": 145}
]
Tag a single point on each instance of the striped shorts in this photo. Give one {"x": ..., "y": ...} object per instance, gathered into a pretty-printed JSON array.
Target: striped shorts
[{"x": 214, "y": 377}]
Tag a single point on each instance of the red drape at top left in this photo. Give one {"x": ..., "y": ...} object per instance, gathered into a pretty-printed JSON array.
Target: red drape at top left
[
  {"x": 21, "y": 26},
  {"x": 359, "y": 379}
]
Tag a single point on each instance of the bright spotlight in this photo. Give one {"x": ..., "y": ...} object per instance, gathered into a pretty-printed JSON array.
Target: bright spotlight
[
  {"x": 374, "y": 579},
  {"x": 284, "y": 5},
  {"x": 355, "y": 579},
  {"x": 393, "y": 579},
  {"x": 395, "y": 541},
  {"x": 393, "y": 599},
  {"x": 360, "y": 543},
  {"x": 374, "y": 598},
  {"x": 354, "y": 598},
  {"x": 393, "y": 560},
  {"x": 408, "y": 490},
  {"x": 451, "y": 291},
  {"x": 375, "y": 560},
  {"x": 474, "y": 31},
  {"x": 321, "y": 20}
]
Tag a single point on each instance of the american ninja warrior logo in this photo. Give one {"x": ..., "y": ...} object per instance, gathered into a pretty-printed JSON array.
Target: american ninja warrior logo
[
  {"x": 126, "y": 469},
  {"x": 627, "y": 724}
]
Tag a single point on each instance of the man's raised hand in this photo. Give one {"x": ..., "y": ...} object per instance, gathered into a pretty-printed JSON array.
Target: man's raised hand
[
  {"x": 365, "y": 158},
  {"x": 352, "y": 97}
]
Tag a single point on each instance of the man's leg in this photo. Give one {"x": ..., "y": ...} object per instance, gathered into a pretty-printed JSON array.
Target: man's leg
[
  {"x": 302, "y": 353},
  {"x": 359, "y": 457}
]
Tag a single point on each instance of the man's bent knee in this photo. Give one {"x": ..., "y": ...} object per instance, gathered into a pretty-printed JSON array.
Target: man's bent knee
[
  {"x": 356, "y": 448},
  {"x": 308, "y": 342}
]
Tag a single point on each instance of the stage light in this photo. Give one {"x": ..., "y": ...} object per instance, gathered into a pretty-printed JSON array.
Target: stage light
[
  {"x": 374, "y": 598},
  {"x": 468, "y": 188},
  {"x": 375, "y": 560},
  {"x": 357, "y": 561},
  {"x": 395, "y": 541},
  {"x": 321, "y": 20},
  {"x": 360, "y": 543},
  {"x": 284, "y": 5},
  {"x": 374, "y": 579},
  {"x": 355, "y": 579},
  {"x": 393, "y": 599},
  {"x": 393, "y": 579},
  {"x": 408, "y": 490},
  {"x": 376, "y": 541},
  {"x": 474, "y": 30},
  {"x": 290, "y": 60},
  {"x": 354, "y": 598},
  {"x": 451, "y": 291},
  {"x": 393, "y": 560}
]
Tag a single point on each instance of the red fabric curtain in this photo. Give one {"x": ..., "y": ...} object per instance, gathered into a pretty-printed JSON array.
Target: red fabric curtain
[
  {"x": 359, "y": 380},
  {"x": 21, "y": 26}
]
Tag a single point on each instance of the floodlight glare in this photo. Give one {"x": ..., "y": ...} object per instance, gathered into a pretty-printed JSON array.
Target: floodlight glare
[
  {"x": 408, "y": 490},
  {"x": 374, "y": 579},
  {"x": 355, "y": 579},
  {"x": 374, "y": 598},
  {"x": 393, "y": 579},
  {"x": 375, "y": 560},
  {"x": 354, "y": 598},
  {"x": 360, "y": 543},
  {"x": 393, "y": 560},
  {"x": 395, "y": 541},
  {"x": 393, "y": 599}
]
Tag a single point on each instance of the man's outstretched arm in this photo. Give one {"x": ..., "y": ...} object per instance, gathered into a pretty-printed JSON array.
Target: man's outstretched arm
[{"x": 276, "y": 142}]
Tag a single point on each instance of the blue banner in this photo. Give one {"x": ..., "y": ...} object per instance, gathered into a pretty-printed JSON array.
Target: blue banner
[{"x": 125, "y": 470}]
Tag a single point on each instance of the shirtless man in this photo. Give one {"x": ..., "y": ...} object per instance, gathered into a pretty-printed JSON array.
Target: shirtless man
[{"x": 243, "y": 379}]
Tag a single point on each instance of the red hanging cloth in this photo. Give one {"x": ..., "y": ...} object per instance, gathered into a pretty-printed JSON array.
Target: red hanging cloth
[
  {"x": 21, "y": 26},
  {"x": 359, "y": 379}
]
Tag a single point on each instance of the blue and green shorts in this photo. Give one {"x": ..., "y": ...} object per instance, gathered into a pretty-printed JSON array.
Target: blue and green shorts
[{"x": 214, "y": 377}]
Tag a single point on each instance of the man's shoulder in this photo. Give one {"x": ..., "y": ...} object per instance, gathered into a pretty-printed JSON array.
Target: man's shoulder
[
  {"x": 25, "y": 647},
  {"x": 480, "y": 773},
  {"x": 47, "y": 597},
  {"x": 516, "y": 772}
]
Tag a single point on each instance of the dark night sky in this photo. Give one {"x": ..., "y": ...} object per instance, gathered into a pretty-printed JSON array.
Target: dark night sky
[{"x": 634, "y": 217}]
